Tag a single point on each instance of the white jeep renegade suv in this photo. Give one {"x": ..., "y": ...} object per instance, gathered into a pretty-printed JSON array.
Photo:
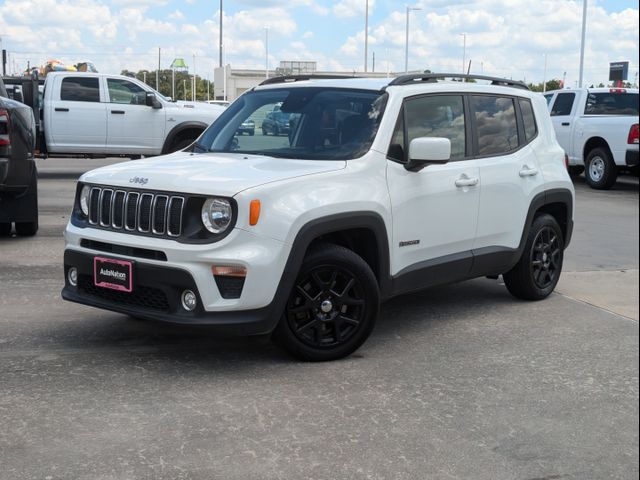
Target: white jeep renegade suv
[{"x": 374, "y": 188}]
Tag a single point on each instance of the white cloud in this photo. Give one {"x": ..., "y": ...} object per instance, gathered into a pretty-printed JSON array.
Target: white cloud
[
  {"x": 176, "y": 15},
  {"x": 352, "y": 8}
]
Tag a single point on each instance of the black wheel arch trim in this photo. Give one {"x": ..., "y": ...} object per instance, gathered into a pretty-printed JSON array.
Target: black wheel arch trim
[
  {"x": 177, "y": 130},
  {"x": 332, "y": 224}
]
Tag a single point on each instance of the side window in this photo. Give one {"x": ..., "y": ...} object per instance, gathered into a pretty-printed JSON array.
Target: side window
[
  {"x": 496, "y": 124},
  {"x": 563, "y": 104},
  {"x": 437, "y": 116},
  {"x": 528, "y": 119},
  {"x": 123, "y": 91},
  {"x": 80, "y": 89},
  {"x": 548, "y": 98}
]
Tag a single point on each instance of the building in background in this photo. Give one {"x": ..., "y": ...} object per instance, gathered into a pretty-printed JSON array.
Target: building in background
[{"x": 230, "y": 83}]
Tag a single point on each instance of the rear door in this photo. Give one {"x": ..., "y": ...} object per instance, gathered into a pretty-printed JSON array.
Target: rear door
[
  {"x": 509, "y": 173},
  {"x": 132, "y": 126},
  {"x": 76, "y": 116},
  {"x": 563, "y": 114}
]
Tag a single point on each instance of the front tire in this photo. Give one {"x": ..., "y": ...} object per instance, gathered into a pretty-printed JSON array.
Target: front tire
[
  {"x": 332, "y": 308},
  {"x": 600, "y": 169},
  {"x": 537, "y": 272}
]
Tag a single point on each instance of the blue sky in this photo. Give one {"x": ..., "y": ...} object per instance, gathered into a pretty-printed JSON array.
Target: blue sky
[{"x": 504, "y": 37}]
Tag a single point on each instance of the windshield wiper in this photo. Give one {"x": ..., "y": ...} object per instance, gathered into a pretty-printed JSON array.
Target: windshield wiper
[{"x": 201, "y": 148}]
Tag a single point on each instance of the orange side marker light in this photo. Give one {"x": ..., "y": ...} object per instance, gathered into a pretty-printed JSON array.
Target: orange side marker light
[{"x": 254, "y": 212}]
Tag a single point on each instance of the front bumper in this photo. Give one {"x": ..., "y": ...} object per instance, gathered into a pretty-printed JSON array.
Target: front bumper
[
  {"x": 164, "y": 268},
  {"x": 157, "y": 296}
]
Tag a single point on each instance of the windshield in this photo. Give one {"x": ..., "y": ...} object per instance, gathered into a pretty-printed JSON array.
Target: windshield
[{"x": 300, "y": 122}]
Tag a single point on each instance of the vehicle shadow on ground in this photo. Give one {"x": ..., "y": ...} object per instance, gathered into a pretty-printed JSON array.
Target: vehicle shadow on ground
[
  {"x": 118, "y": 336},
  {"x": 625, "y": 183}
]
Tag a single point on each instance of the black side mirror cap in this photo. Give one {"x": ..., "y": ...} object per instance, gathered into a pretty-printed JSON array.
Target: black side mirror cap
[{"x": 152, "y": 101}]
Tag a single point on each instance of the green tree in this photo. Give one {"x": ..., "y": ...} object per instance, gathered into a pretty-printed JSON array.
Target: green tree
[
  {"x": 184, "y": 83},
  {"x": 553, "y": 84}
]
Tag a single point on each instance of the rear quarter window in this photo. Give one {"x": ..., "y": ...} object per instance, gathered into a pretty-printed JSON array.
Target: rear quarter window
[
  {"x": 607, "y": 103},
  {"x": 528, "y": 119}
]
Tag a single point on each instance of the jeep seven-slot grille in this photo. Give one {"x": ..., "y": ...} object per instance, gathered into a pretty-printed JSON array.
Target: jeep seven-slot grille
[{"x": 150, "y": 213}]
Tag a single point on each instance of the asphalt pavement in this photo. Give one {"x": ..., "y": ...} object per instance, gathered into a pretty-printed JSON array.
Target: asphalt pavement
[{"x": 457, "y": 382}]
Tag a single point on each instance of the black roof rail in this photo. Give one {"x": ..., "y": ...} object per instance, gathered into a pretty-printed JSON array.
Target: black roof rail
[
  {"x": 413, "y": 78},
  {"x": 300, "y": 78}
]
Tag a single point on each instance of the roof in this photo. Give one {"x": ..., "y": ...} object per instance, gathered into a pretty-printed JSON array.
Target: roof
[
  {"x": 593, "y": 90},
  {"x": 378, "y": 84}
]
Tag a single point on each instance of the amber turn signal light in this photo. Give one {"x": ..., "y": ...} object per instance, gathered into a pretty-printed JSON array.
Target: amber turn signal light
[
  {"x": 229, "y": 271},
  {"x": 254, "y": 212}
]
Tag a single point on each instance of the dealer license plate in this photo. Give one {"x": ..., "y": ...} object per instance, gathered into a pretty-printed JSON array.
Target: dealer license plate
[{"x": 113, "y": 274}]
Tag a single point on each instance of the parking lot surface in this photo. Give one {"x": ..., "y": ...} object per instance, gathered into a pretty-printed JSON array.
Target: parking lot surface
[{"x": 461, "y": 381}]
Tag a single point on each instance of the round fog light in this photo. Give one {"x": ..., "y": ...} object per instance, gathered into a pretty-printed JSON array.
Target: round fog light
[
  {"x": 72, "y": 276},
  {"x": 189, "y": 300}
]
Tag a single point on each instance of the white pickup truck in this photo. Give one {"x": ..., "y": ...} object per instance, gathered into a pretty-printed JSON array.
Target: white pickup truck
[
  {"x": 99, "y": 114},
  {"x": 598, "y": 129}
]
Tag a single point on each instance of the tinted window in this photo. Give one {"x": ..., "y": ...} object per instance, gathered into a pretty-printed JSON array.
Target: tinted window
[
  {"x": 496, "y": 124},
  {"x": 548, "y": 98},
  {"x": 563, "y": 104},
  {"x": 607, "y": 103},
  {"x": 437, "y": 116},
  {"x": 123, "y": 91},
  {"x": 80, "y": 89},
  {"x": 528, "y": 119}
]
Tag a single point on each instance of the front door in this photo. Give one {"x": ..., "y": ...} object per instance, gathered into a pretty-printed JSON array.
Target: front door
[
  {"x": 435, "y": 210},
  {"x": 132, "y": 126}
]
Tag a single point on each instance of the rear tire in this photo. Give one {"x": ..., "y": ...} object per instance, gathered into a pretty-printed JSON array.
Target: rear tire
[
  {"x": 332, "y": 308},
  {"x": 537, "y": 272},
  {"x": 181, "y": 144},
  {"x": 600, "y": 170},
  {"x": 5, "y": 229},
  {"x": 27, "y": 229},
  {"x": 576, "y": 170}
]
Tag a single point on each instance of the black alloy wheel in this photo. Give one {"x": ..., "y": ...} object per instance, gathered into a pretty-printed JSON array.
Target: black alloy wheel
[
  {"x": 546, "y": 258},
  {"x": 332, "y": 307},
  {"x": 326, "y": 307},
  {"x": 537, "y": 272}
]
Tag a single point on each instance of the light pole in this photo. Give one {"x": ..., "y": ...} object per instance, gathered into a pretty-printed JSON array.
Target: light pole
[
  {"x": 544, "y": 76},
  {"x": 193, "y": 90},
  {"x": 366, "y": 35},
  {"x": 584, "y": 31},
  {"x": 464, "y": 51},
  {"x": 266, "y": 44},
  {"x": 220, "y": 34},
  {"x": 406, "y": 43}
]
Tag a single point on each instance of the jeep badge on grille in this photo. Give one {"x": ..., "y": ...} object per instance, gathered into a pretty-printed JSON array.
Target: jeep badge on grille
[{"x": 139, "y": 180}]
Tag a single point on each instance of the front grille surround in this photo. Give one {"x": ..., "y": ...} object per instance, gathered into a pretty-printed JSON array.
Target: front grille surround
[
  {"x": 159, "y": 214},
  {"x": 149, "y": 213}
]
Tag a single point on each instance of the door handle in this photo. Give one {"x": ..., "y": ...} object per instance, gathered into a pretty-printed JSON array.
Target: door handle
[
  {"x": 565, "y": 124},
  {"x": 465, "y": 181},
  {"x": 528, "y": 172},
  {"x": 59, "y": 109},
  {"x": 117, "y": 112}
]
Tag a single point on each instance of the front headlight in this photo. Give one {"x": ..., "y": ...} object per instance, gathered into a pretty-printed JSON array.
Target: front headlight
[
  {"x": 217, "y": 215},
  {"x": 84, "y": 200}
]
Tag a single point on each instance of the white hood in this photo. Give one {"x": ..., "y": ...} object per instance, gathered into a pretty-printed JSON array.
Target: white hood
[{"x": 207, "y": 174}]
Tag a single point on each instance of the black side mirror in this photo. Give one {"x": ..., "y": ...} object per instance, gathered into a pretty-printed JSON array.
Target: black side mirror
[{"x": 152, "y": 101}]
